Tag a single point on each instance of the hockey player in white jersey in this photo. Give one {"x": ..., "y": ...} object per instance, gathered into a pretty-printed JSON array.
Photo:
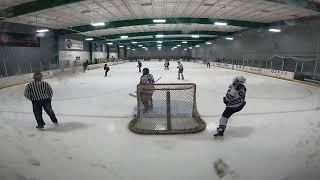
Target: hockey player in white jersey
[
  {"x": 234, "y": 100},
  {"x": 180, "y": 70},
  {"x": 146, "y": 89}
]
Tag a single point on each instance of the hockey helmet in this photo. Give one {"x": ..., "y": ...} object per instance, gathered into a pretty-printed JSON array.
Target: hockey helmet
[
  {"x": 239, "y": 80},
  {"x": 145, "y": 71}
]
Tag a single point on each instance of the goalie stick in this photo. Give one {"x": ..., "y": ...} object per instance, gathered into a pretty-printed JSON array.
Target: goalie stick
[{"x": 135, "y": 94}]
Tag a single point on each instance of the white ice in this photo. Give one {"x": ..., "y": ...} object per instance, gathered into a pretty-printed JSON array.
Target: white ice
[{"x": 275, "y": 137}]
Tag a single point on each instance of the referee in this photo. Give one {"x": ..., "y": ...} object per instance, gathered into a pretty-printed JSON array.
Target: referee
[{"x": 40, "y": 94}]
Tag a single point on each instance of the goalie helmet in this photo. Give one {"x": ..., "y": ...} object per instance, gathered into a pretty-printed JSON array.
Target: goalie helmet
[
  {"x": 145, "y": 71},
  {"x": 239, "y": 80}
]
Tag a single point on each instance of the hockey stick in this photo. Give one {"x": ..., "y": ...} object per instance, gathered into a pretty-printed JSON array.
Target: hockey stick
[
  {"x": 135, "y": 94},
  {"x": 157, "y": 79}
]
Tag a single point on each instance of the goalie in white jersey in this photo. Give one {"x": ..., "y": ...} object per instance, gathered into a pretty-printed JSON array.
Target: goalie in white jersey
[
  {"x": 234, "y": 100},
  {"x": 146, "y": 89}
]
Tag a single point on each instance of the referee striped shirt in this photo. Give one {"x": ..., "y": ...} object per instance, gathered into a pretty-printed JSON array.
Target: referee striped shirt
[{"x": 38, "y": 90}]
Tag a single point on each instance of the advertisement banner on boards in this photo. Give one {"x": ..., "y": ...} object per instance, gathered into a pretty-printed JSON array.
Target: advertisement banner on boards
[
  {"x": 73, "y": 44},
  {"x": 268, "y": 72},
  {"x": 282, "y": 74}
]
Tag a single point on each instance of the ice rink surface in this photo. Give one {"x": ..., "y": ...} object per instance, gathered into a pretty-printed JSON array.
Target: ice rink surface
[{"x": 275, "y": 137}]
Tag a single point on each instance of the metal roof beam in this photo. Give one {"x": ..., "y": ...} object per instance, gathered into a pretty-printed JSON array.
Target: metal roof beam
[
  {"x": 169, "y": 43},
  {"x": 176, "y": 39},
  {"x": 153, "y": 33},
  {"x": 34, "y": 6},
  {"x": 149, "y": 21}
]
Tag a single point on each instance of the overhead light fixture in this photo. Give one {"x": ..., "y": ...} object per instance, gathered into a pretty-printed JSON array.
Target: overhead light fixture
[
  {"x": 86, "y": 11},
  {"x": 159, "y": 42},
  {"x": 197, "y": 46},
  {"x": 42, "y": 30},
  {"x": 134, "y": 42},
  {"x": 146, "y": 4},
  {"x": 140, "y": 45},
  {"x": 98, "y": 24},
  {"x": 110, "y": 43},
  {"x": 159, "y": 45},
  {"x": 185, "y": 49},
  {"x": 208, "y": 4},
  {"x": 220, "y": 24},
  {"x": 124, "y": 37},
  {"x": 229, "y": 38},
  {"x": 159, "y": 36},
  {"x": 184, "y": 42},
  {"x": 178, "y": 45},
  {"x": 208, "y": 43},
  {"x": 120, "y": 46},
  {"x": 190, "y": 47},
  {"x": 274, "y": 30},
  {"x": 133, "y": 49},
  {"x": 89, "y": 39},
  {"x": 195, "y": 36},
  {"x": 159, "y": 20}
]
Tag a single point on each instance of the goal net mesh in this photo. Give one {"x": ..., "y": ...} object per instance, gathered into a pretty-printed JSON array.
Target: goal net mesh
[{"x": 167, "y": 109}]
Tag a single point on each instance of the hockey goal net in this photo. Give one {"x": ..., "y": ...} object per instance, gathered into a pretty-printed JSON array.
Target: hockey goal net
[{"x": 167, "y": 109}]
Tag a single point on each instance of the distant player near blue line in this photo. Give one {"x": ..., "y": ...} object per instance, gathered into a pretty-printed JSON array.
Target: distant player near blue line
[
  {"x": 180, "y": 70},
  {"x": 234, "y": 100},
  {"x": 166, "y": 64},
  {"x": 106, "y": 70},
  {"x": 139, "y": 65}
]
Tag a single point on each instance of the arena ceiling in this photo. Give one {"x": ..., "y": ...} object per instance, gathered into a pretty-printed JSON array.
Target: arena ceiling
[{"x": 135, "y": 18}]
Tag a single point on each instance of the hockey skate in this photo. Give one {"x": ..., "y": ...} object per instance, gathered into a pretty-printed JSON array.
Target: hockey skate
[
  {"x": 41, "y": 128},
  {"x": 220, "y": 131}
]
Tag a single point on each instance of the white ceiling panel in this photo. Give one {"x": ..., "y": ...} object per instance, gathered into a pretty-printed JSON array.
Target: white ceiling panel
[
  {"x": 88, "y": 11},
  {"x": 10, "y": 3},
  {"x": 163, "y": 27}
]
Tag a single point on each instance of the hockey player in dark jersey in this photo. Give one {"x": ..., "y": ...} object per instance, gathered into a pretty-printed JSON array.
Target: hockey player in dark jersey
[
  {"x": 166, "y": 64},
  {"x": 146, "y": 89},
  {"x": 139, "y": 65},
  {"x": 234, "y": 100},
  {"x": 106, "y": 70}
]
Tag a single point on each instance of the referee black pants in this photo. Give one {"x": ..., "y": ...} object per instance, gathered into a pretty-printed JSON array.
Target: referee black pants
[{"x": 37, "y": 110}]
